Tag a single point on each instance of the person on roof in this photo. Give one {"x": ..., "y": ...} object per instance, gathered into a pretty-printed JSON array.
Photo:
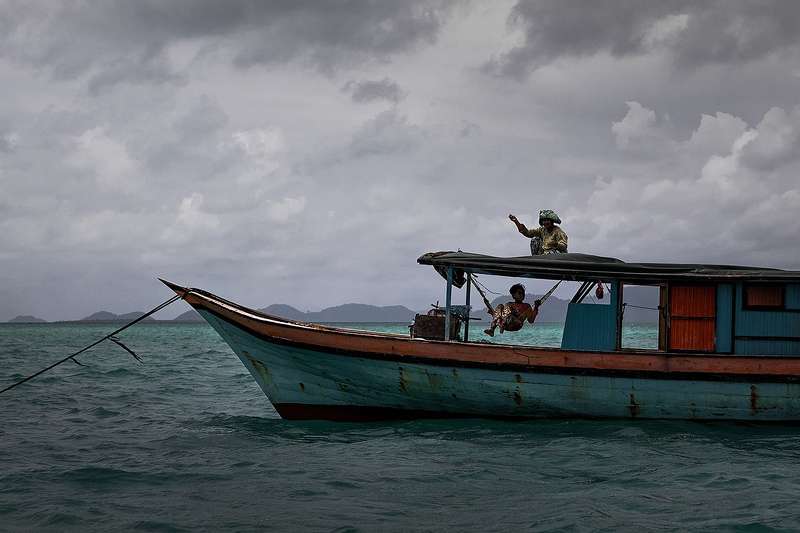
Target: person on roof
[
  {"x": 512, "y": 316},
  {"x": 547, "y": 238}
]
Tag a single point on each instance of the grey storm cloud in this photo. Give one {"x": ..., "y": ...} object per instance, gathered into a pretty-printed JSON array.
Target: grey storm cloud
[
  {"x": 118, "y": 41},
  {"x": 308, "y": 152},
  {"x": 374, "y": 90},
  {"x": 387, "y": 133},
  {"x": 692, "y": 33}
]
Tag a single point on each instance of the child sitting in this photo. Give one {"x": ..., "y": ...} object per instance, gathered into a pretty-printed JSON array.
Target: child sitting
[{"x": 512, "y": 316}]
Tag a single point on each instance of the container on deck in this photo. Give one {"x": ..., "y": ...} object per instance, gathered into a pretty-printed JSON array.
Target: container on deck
[{"x": 431, "y": 326}]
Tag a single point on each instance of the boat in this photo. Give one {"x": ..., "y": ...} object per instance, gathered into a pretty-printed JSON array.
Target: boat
[{"x": 728, "y": 349}]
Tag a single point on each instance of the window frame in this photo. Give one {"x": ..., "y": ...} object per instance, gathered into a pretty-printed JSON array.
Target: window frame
[{"x": 774, "y": 307}]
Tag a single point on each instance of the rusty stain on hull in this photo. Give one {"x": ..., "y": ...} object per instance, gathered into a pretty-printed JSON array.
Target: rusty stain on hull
[
  {"x": 633, "y": 407},
  {"x": 302, "y": 387},
  {"x": 403, "y": 380},
  {"x": 577, "y": 388},
  {"x": 753, "y": 399},
  {"x": 517, "y": 396},
  {"x": 262, "y": 370},
  {"x": 434, "y": 380}
]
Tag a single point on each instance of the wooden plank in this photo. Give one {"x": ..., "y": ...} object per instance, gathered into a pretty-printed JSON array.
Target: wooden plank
[
  {"x": 693, "y": 301},
  {"x": 692, "y": 318},
  {"x": 692, "y": 334}
]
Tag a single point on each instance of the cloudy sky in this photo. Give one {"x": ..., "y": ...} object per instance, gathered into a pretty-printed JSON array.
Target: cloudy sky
[{"x": 308, "y": 152}]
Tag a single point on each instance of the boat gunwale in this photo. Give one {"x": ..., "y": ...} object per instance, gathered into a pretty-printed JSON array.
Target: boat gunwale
[{"x": 663, "y": 365}]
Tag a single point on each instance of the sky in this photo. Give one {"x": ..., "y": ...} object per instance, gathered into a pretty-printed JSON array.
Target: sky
[{"x": 308, "y": 152}]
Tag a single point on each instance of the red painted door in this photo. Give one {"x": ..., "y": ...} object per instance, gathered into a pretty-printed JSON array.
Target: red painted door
[{"x": 693, "y": 317}]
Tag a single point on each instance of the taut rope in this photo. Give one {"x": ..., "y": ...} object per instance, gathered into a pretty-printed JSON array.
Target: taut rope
[{"x": 110, "y": 336}]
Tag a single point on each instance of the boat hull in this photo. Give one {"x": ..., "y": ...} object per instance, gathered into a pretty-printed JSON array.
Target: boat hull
[{"x": 319, "y": 382}]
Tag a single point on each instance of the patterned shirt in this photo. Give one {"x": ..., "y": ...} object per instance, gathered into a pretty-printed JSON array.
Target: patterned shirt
[{"x": 554, "y": 240}]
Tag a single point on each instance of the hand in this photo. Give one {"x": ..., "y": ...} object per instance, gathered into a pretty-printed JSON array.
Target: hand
[{"x": 512, "y": 218}]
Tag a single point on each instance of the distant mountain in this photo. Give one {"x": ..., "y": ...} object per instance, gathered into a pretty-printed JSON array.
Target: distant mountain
[
  {"x": 189, "y": 316},
  {"x": 100, "y": 316},
  {"x": 344, "y": 313},
  {"x": 105, "y": 316},
  {"x": 27, "y": 319},
  {"x": 285, "y": 311}
]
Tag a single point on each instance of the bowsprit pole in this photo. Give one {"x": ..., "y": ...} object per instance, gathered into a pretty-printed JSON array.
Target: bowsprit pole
[{"x": 107, "y": 337}]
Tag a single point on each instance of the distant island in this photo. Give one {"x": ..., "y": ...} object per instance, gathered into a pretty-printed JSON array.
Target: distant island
[
  {"x": 27, "y": 319},
  {"x": 344, "y": 313},
  {"x": 105, "y": 316}
]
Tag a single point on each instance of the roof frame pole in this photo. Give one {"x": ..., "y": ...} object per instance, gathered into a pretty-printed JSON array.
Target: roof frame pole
[
  {"x": 617, "y": 299},
  {"x": 466, "y": 303},
  {"x": 448, "y": 302}
]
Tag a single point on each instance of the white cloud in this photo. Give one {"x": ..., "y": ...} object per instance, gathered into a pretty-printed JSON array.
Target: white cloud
[
  {"x": 104, "y": 157},
  {"x": 776, "y": 141},
  {"x": 284, "y": 209},
  {"x": 641, "y": 131}
]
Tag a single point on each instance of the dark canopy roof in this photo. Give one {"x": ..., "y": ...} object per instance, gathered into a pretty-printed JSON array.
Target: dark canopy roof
[{"x": 583, "y": 267}]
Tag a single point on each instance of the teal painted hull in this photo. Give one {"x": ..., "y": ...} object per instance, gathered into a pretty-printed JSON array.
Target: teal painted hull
[{"x": 303, "y": 382}]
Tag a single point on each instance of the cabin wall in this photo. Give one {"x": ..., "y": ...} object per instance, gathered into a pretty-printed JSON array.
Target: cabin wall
[
  {"x": 724, "y": 324},
  {"x": 592, "y": 326},
  {"x": 768, "y": 332},
  {"x": 793, "y": 297}
]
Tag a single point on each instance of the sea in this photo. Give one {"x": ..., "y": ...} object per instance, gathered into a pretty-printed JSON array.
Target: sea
[{"x": 186, "y": 441}]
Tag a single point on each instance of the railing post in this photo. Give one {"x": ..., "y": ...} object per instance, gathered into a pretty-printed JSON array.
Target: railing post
[
  {"x": 466, "y": 302},
  {"x": 447, "y": 303}
]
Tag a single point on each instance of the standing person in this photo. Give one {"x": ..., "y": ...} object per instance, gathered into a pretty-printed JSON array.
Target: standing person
[{"x": 547, "y": 238}]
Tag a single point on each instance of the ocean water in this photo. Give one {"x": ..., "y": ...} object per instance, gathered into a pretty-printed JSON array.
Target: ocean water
[{"x": 188, "y": 442}]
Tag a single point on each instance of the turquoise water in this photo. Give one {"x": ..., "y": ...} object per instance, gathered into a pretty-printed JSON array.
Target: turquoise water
[
  {"x": 187, "y": 442},
  {"x": 541, "y": 334}
]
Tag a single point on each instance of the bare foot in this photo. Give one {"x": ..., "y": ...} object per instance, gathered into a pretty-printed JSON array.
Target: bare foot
[{"x": 489, "y": 332}]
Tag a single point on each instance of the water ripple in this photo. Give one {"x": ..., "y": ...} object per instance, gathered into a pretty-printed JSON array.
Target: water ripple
[{"x": 187, "y": 442}]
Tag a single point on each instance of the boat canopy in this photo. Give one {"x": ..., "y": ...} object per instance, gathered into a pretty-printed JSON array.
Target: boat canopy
[{"x": 584, "y": 267}]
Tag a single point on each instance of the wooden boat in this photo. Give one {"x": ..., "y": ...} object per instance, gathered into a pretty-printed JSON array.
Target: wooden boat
[{"x": 728, "y": 349}]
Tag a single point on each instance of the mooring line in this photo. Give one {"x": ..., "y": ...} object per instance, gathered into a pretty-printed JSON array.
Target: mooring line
[{"x": 107, "y": 337}]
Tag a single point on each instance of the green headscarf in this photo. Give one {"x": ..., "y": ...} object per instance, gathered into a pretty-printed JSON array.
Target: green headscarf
[{"x": 547, "y": 214}]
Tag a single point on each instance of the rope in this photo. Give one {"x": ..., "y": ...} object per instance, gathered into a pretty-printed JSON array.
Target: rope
[
  {"x": 110, "y": 336},
  {"x": 626, "y": 305},
  {"x": 641, "y": 307},
  {"x": 478, "y": 286},
  {"x": 487, "y": 289},
  {"x": 551, "y": 291},
  {"x": 485, "y": 299}
]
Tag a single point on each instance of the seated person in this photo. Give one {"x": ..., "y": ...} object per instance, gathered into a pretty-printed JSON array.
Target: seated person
[{"x": 512, "y": 316}]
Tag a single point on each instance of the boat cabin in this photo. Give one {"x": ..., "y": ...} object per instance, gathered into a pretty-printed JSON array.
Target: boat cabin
[{"x": 717, "y": 309}]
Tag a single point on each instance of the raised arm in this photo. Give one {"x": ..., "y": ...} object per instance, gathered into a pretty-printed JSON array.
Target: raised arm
[
  {"x": 561, "y": 242},
  {"x": 534, "y": 311},
  {"x": 522, "y": 229}
]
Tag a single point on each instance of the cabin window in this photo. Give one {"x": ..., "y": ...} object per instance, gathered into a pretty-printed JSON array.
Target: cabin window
[
  {"x": 641, "y": 317},
  {"x": 764, "y": 296}
]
